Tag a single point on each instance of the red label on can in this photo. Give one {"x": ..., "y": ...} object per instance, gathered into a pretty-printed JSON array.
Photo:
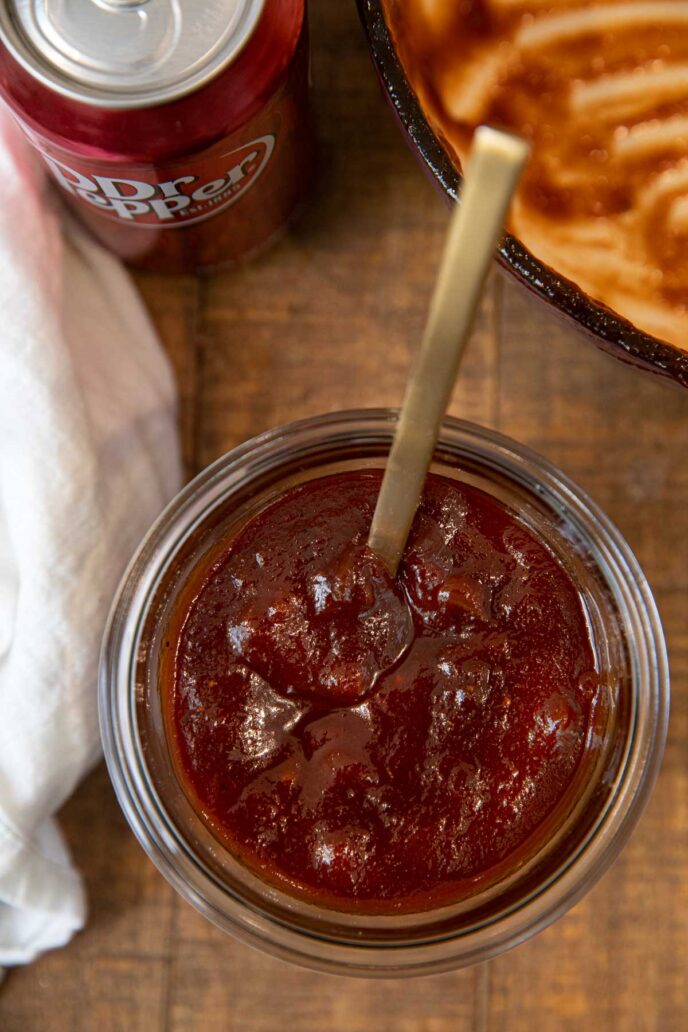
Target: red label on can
[
  {"x": 185, "y": 196},
  {"x": 226, "y": 165}
]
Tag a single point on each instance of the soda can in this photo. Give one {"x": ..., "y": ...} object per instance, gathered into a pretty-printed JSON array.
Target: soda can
[{"x": 178, "y": 130}]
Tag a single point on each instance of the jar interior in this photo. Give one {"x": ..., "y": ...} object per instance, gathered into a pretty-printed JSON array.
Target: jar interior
[{"x": 552, "y": 848}]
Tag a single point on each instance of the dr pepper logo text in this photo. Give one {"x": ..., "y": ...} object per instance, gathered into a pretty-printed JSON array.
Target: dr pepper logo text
[{"x": 179, "y": 200}]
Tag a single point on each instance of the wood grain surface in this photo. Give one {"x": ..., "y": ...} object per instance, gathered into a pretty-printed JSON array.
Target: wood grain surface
[{"x": 328, "y": 320}]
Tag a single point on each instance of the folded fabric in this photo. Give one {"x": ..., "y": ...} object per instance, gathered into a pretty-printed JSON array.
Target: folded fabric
[{"x": 88, "y": 456}]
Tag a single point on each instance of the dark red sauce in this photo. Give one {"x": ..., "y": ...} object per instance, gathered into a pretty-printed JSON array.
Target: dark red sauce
[{"x": 372, "y": 743}]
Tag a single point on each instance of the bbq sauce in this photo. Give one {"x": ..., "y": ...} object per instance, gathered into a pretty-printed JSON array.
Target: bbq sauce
[{"x": 371, "y": 743}]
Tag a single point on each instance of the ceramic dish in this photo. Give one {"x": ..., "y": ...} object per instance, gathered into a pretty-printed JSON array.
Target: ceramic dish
[{"x": 604, "y": 327}]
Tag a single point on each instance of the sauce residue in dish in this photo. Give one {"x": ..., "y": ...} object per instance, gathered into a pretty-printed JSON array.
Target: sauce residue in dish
[
  {"x": 369, "y": 743},
  {"x": 601, "y": 92}
]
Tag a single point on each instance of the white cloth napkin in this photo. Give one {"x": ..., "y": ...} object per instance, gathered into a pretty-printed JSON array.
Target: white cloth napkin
[{"x": 88, "y": 457}]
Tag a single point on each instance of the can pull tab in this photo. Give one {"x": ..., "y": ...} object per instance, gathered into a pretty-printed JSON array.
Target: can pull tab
[
  {"x": 120, "y": 3},
  {"x": 111, "y": 38}
]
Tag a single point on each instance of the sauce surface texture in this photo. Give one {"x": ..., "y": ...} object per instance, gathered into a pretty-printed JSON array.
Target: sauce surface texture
[
  {"x": 600, "y": 89},
  {"x": 370, "y": 743}
]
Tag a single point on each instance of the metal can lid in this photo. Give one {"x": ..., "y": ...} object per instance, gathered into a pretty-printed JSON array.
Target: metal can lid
[{"x": 126, "y": 53}]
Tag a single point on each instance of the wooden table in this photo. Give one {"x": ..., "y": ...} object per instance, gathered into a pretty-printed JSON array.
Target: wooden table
[{"x": 328, "y": 320}]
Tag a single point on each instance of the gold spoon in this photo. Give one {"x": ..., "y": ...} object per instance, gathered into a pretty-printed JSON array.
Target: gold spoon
[{"x": 494, "y": 166}]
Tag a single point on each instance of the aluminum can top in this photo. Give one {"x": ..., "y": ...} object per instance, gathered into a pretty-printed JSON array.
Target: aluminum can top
[{"x": 126, "y": 53}]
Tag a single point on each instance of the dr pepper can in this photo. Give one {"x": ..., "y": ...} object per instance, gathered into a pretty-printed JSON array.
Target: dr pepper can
[{"x": 178, "y": 130}]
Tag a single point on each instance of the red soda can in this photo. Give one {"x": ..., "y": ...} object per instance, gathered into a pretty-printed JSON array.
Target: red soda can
[{"x": 178, "y": 130}]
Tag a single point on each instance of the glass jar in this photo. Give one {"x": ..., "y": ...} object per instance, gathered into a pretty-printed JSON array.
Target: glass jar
[{"x": 569, "y": 852}]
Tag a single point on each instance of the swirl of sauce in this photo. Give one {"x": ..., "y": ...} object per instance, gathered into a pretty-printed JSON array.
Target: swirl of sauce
[{"x": 601, "y": 92}]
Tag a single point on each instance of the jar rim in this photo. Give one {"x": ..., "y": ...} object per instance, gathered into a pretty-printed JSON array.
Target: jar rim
[{"x": 145, "y": 812}]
